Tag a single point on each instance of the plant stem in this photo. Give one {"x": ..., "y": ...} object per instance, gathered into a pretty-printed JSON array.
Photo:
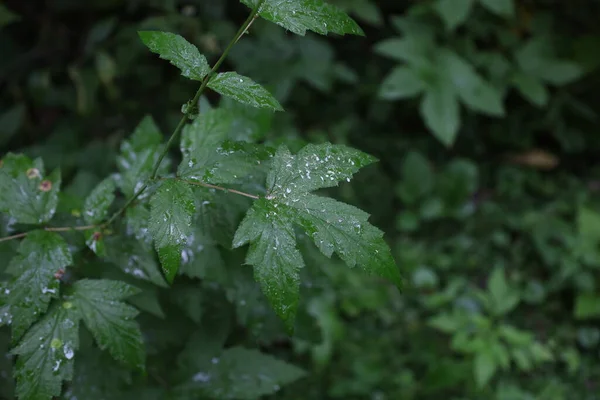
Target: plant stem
[
  {"x": 243, "y": 29},
  {"x": 58, "y": 229},
  {"x": 208, "y": 185}
]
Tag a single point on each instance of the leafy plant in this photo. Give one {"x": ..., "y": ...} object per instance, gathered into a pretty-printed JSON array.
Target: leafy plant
[{"x": 47, "y": 298}]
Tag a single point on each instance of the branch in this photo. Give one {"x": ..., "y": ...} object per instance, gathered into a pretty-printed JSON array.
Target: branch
[{"x": 243, "y": 29}]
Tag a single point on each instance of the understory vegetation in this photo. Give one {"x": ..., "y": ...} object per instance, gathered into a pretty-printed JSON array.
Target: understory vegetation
[{"x": 308, "y": 199}]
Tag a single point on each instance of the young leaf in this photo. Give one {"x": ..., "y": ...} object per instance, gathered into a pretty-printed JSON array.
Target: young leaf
[
  {"x": 274, "y": 255},
  {"x": 178, "y": 51},
  {"x": 299, "y": 16},
  {"x": 472, "y": 90},
  {"x": 441, "y": 112},
  {"x": 503, "y": 8},
  {"x": 242, "y": 374},
  {"x": 110, "y": 320},
  {"x": 45, "y": 355},
  {"x": 171, "y": 211},
  {"x": 40, "y": 256},
  {"x": 244, "y": 90},
  {"x": 401, "y": 83},
  {"x": 138, "y": 156},
  {"x": 334, "y": 226},
  {"x": 98, "y": 202},
  {"x": 210, "y": 158},
  {"x": 26, "y": 193},
  {"x": 454, "y": 12}
]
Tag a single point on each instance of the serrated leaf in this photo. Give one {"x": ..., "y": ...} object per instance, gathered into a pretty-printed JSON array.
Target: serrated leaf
[
  {"x": 300, "y": 16},
  {"x": 314, "y": 167},
  {"x": 343, "y": 229},
  {"x": 441, "y": 112},
  {"x": 401, "y": 83},
  {"x": 171, "y": 211},
  {"x": 274, "y": 255},
  {"x": 138, "y": 156},
  {"x": 503, "y": 8},
  {"x": 454, "y": 12},
  {"x": 26, "y": 193},
  {"x": 98, "y": 202},
  {"x": 334, "y": 226},
  {"x": 244, "y": 90},
  {"x": 40, "y": 256},
  {"x": 110, "y": 320},
  {"x": 242, "y": 374},
  {"x": 45, "y": 355},
  {"x": 178, "y": 51},
  {"x": 135, "y": 258},
  {"x": 210, "y": 158}
]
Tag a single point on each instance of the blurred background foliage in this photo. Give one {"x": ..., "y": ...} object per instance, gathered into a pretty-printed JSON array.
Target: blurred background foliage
[{"x": 484, "y": 115}]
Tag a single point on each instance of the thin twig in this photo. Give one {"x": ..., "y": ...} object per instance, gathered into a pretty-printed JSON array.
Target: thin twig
[
  {"x": 243, "y": 29},
  {"x": 50, "y": 229},
  {"x": 208, "y": 185}
]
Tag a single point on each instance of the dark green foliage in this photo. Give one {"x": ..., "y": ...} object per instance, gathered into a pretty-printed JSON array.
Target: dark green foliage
[{"x": 173, "y": 238}]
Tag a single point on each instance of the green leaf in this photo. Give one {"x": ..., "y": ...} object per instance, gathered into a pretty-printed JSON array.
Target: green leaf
[
  {"x": 135, "y": 258},
  {"x": 98, "y": 202},
  {"x": 26, "y": 193},
  {"x": 587, "y": 306},
  {"x": 418, "y": 178},
  {"x": 299, "y": 16},
  {"x": 96, "y": 376},
  {"x": 110, "y": 320},
  {"x": 171, "y": 211},
  {"x": 40, "y": 256},
  {"x": 454, "y": 12},
  {"x": 485, "y": 366},
  {"x": 472, "y": 90},
  {"x": 242, "y": 374},
  {"x": 334, "y": 226},
  {"x": 401, "y": 83},
  {"x": 138, "y": 156},
  {"x": 502, "y": 297},
  {"x": 210, "y": 158},
  {"x": 531, "y": 88},
  {"x": 417, "y": 51},
  {"x": 274, "y": 255},
  {"x": 244, "y": 90},
  {"x": 537, "y": 58},
  {"x": 178, "y": 51},
  {"x": 45, "y": 356},
  {"x": 441, "y": 112},
  {"x": 503, "y": 8},
  {"x": 445, "y": 323}
]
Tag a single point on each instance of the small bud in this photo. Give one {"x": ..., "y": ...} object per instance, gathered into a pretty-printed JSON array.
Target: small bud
[
  {"x": 67, "y": 305},
  {"x": 59, "y": 274},
  {"x": 96, "y": 236},
  {"x": 45, "y": 186},
  {"x": 76, "y": 213},
  {"x": 33, "y": 173}
]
